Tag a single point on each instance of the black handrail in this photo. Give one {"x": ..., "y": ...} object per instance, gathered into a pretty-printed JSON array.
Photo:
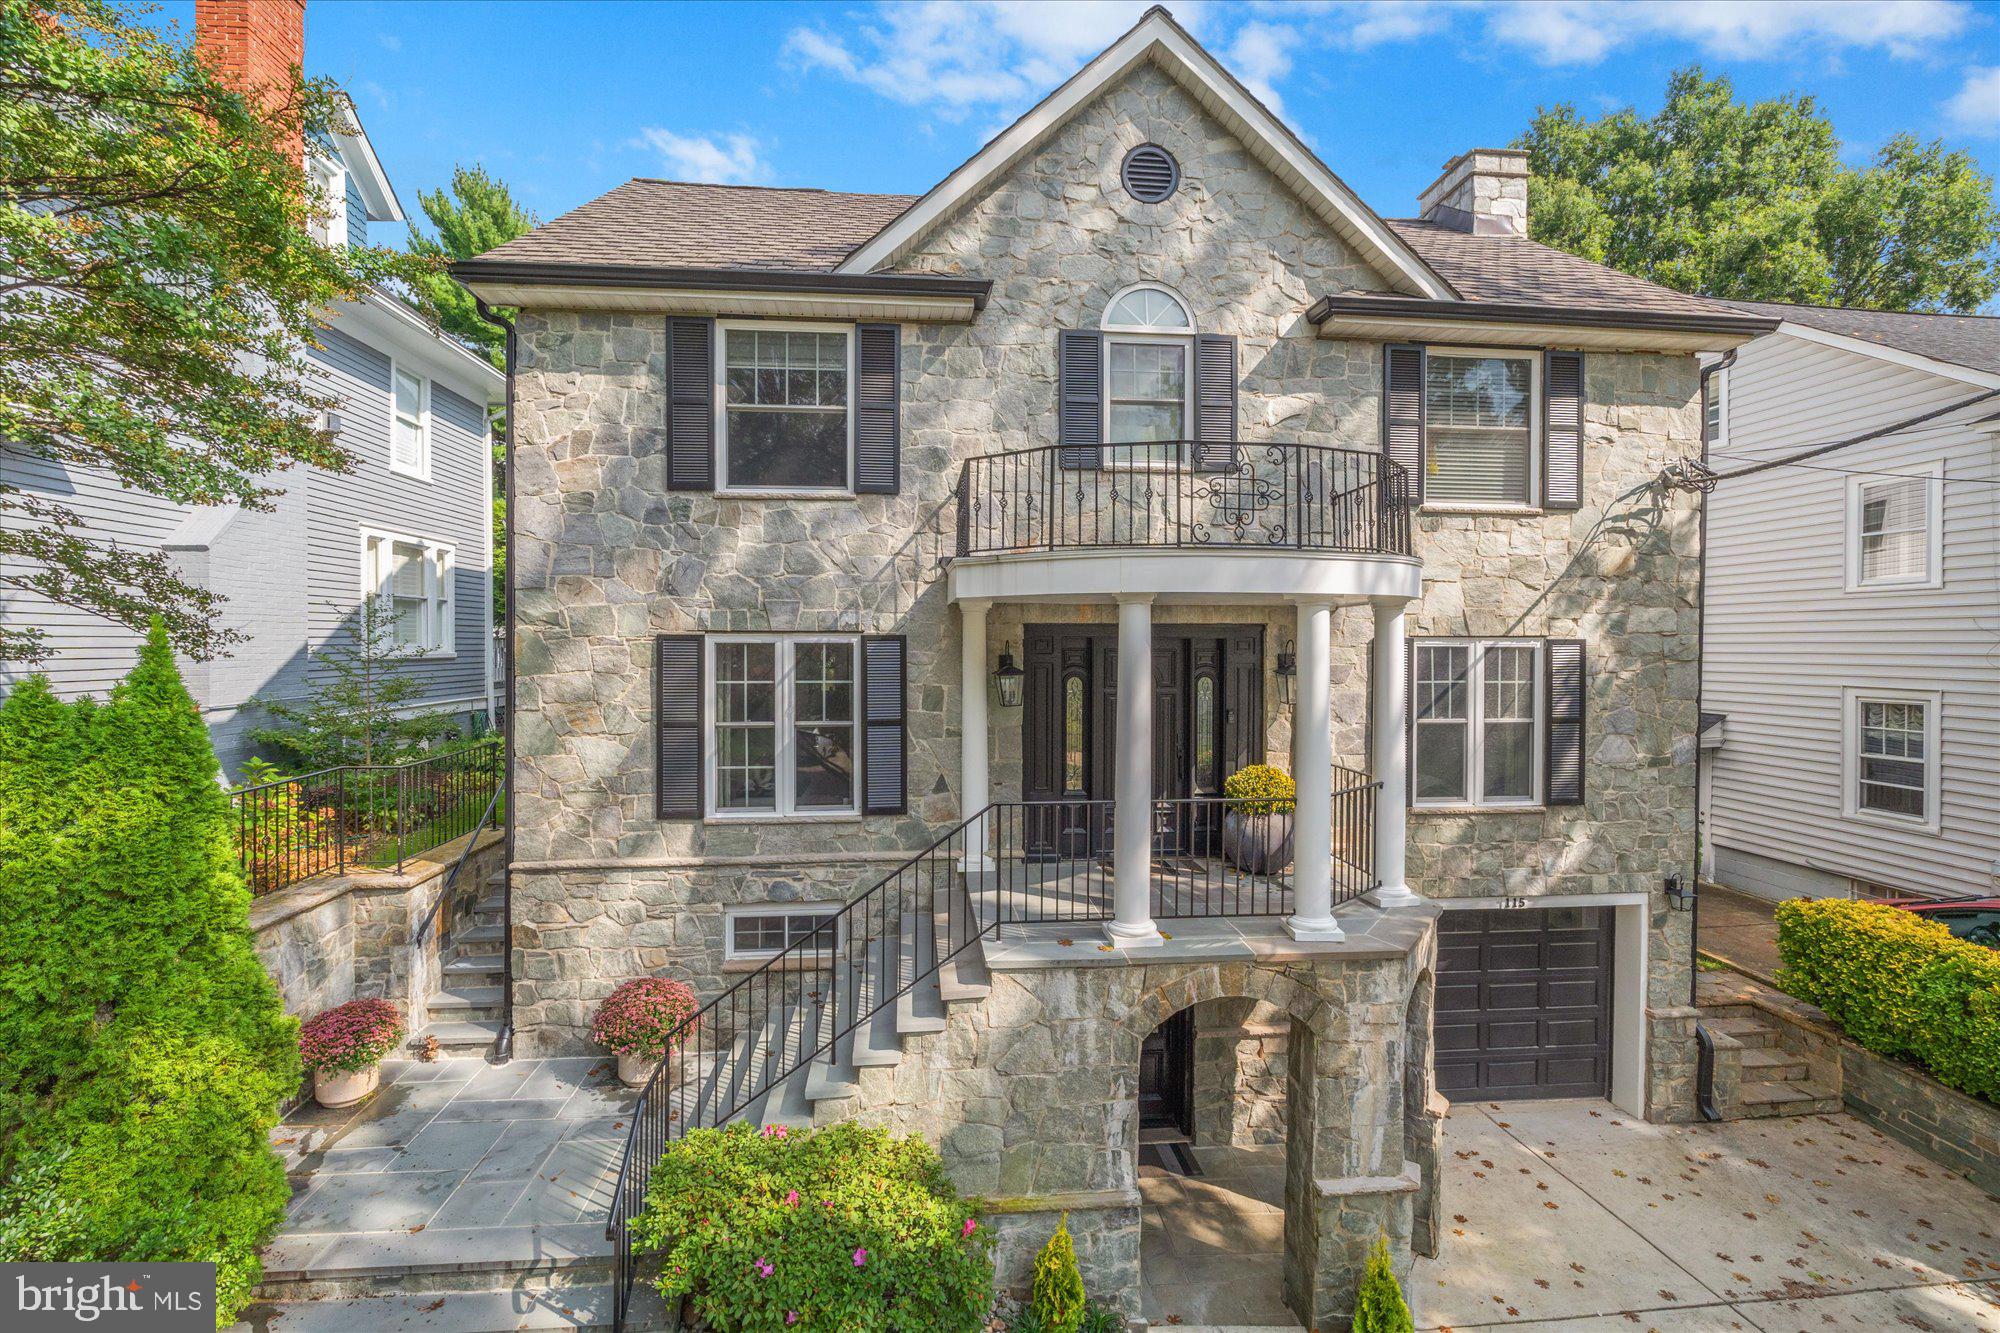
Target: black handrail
[
  {"x": 1049, "y": 863},
  {"x": 1268, "y": 495},
  {"x": 451, "y": 876}
]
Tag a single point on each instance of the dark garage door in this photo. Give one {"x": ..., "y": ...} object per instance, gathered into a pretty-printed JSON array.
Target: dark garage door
[{"x": 1524, "y": 1003}]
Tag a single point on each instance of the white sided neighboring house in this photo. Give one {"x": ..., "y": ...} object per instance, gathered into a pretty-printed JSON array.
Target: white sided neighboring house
[
  {"x": 412, "y": 522},
  {"x": 1852, "y": 631}
]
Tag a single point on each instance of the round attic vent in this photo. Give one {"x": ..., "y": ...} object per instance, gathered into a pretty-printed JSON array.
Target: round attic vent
[{"x": 1150, "y": 173}]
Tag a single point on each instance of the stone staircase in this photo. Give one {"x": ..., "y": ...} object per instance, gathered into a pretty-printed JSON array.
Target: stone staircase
[
  {"x": 464, "y": 1013},
  {"x": 1761, "y": 1071}
]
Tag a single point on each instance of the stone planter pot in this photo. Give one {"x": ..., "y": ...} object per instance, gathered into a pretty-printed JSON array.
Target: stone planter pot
[
  {"x": 337, "y": 1090},
  {"x": 1232, "y": 835},
  {"x": 1263, "y": 844},
  {"x": 634, "y": 1070}
]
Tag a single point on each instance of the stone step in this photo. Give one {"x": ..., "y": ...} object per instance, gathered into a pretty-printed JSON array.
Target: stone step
[
  {"x": 581, "y": 1307},
  {"x": 459, "y": 1037},
  {"x": 467, "y": 939},
  {"x": 496, "y": 879},
  {"x": 1750, "y": 1032},
  {"x": 468, "y": 965},
  {"x": 921, "y": 1007},
  {"x": 492, "y": 904},
  {"x": 467, "y": 1002},
  {"x": 1772, "y": 1064},
  {"x": 351, "y": 1265},
  {"x": 1761, "y": 1100}
]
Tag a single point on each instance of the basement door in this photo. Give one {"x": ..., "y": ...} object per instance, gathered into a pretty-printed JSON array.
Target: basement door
[{"x": 1524, "y": 1003}]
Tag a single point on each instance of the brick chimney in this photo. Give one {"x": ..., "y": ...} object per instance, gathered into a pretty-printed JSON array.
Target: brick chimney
[
  {"x": 253, "y": 44},
  {"x": 1484, "y": 191}
]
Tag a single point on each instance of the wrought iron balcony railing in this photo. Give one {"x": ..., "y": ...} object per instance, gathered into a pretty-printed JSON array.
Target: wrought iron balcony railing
[{"x": 1245, "y": 495}]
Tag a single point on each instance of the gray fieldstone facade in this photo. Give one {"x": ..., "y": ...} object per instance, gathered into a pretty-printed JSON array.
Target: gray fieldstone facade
[{"x": 1030, "y": 1093}]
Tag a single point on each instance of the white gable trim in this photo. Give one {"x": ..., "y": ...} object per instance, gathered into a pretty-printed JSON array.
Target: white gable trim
[
  {"x": 376, "y": 193},
  {"x": 1895, "y": 356},
  {"x": 1159, "y": 39}
]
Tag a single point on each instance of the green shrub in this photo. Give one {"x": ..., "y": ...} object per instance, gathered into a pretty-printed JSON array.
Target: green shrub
[
  {"x": 1056, "y": 1300},
  {"x": 1379, "y": 1306},
  {"x": 1260, "y": 789},
  {"x": 846, "y": 1228},
  {"x": 1898, "y": 985},
  {"x": 143, "y": 1050}
]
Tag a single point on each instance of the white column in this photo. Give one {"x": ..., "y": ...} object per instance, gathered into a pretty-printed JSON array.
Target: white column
[
  {"x": 1392, "y": 755},
  {"x": 1312, "y": 732},
  {"x": 973, "y": 787},
  {"x": 1132, "y": 817}
]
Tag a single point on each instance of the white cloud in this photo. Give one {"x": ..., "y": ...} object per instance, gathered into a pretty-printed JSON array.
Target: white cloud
[
  {"x": 1975, "y": 108},
  {"x": 732, "y": 161},
  {"x": 1261, "y": 55},
  {"x": 1582, "y": 32},
  {"x": 390, "y": 41}
]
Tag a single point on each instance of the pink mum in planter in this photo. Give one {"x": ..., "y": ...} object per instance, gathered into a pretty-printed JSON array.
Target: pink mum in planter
[
  {"x": 636, "y": 1018},
  {"x": 350, "y": 1036}
]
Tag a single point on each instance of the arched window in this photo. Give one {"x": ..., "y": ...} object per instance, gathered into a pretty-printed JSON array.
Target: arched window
[{"x": 1148, "y": 355}]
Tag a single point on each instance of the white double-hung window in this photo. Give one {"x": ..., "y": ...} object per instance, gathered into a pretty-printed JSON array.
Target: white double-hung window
[
  {"x": 782, "y": 730},
  {"x": 1892, "y": 755},
  {"x": 1477, "y": 721},
  {"x": 1148, "y": 351},
  {"x": 410, "y": 581},
  {"x": 410, "y": 424},
  {"x": 785, "y": 420},
  {"x": 1480, "y": 428},
  {"x": 1894, "y": 536}
]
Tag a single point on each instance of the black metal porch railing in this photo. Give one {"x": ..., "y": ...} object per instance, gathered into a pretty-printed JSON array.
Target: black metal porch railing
[
  {"x": 1042, "y": 862},
  {"x": 372, "y": 815},
  {"x": 1255, "y": 495}
]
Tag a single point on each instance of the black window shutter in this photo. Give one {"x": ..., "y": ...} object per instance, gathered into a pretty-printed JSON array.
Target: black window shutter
[
  {"x": 1403, "y": 413},
  {"x": 1565, "y": 668},
  {"x": 677, "y": 698},
  {"x": 1080, "y": 398},
  {"x": 690, "y": 404},
  {"x": 884, "y": 770},
  {"x": 1562, "y": 430},
  {"x": 1214, "y": 401},
  {"x": 878, "y": 432}
]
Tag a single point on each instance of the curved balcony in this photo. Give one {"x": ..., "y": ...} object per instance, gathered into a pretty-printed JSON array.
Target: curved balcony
[{"x": 1290, "y": 520}]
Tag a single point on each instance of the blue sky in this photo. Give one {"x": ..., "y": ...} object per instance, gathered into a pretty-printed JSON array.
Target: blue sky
[{"x": 564, "y": 101}]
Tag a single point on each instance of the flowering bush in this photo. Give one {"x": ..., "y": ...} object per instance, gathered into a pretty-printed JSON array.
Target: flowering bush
[
  {"x": 844, "y": 1228},
  {"x": 638, "y": 1017},
  {"x": 1259, "y": 789},
  {"x": 350, "y": 1036}
]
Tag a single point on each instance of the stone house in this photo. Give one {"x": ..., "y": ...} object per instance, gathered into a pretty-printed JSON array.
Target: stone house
[{"x": 899, "y": 579}]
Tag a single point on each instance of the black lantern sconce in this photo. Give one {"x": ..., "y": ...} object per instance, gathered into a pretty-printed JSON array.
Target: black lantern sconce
[
  {"x": 1679, "y": 896},
  {"x": 1007, "y": 680},
  {"x": 1288, "y": 671}
]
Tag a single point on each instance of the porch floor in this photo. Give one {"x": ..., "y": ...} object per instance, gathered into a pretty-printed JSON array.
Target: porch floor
[{"x": 1212, "y": 1247}]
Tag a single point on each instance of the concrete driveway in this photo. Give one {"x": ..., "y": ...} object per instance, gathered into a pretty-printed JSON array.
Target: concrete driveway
[{"x": 1572, "y": 1216}]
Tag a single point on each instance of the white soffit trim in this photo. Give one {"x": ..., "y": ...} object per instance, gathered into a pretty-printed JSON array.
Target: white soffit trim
[
  {"x": 387, "y": 325},
  {"x": 366, "y": 168},
  {"x": 909, "y": 309},
  {"x": 1159, "y": 39},
  {"x": 1894, "y": 355},
  {"x": 1480, "y": 333},
  {"x": 1219, "y": 575}
]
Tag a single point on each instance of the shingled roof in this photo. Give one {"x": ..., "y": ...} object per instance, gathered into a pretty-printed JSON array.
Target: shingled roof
[
  {"x": 648, "y": 223},
  {"x": 1514, "y": 270},
  {"x": 1972, "y": 341}
]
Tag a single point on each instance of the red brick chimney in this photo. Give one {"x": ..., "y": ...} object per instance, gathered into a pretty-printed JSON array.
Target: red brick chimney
[{"x": 253, "y": 44}]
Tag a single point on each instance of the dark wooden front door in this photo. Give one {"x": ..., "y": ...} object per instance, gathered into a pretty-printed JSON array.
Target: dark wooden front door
[
  {"x": 1166, "y": 1080},
  {"x": 1208, "y": 721}
]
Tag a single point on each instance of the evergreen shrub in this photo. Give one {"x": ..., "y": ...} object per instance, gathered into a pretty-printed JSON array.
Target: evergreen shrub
[{"x": 144, "y": 1052}]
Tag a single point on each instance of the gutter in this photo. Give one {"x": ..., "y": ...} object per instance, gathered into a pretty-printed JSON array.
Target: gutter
[
  {"x": 1509, "y": 312},
  {"x": 503, "y": 1046},
  {"x": 645, "y": 276}
]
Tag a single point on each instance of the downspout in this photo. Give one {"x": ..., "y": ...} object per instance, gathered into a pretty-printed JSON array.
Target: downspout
[
  {"x": 503, "y": 1046},
  {"x": 1700, "y": 669}
]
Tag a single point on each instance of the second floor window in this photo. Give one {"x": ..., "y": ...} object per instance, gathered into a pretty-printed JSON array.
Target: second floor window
[
  {"x": 1148, "y": 344},
  {"x": 785, "y": 408},
  {"x": 783, "y": 733},
  {"x": 1479, "y": 445},
  {"x": 410, "y": 436},
  {"x": 1892, "y": 522}
]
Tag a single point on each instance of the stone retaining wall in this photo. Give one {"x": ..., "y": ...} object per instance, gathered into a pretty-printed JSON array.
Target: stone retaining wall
[{"x": 1945, "y": 1125}]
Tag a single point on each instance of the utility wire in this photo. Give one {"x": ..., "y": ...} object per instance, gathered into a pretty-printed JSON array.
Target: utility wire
[
  {"x": 1881, "y": 472},
  {"x": 1694, "y": 475}
]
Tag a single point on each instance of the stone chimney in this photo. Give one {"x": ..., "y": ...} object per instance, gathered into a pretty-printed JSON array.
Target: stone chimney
[
  {"x": 253, "y": 44},
  {"x": 1484, "y": 191}
]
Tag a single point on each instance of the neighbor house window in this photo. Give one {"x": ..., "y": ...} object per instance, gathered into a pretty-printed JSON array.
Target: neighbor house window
[
  {"x": 1148, "y": 349},
  {"x": 1476, "y": 722},
  {"x": 411, "y": 582},
  {"x": 785, "y": 408},
  {"x": 1714, "y": 405},
  {"x": 1892, "y": 754},
  {"x": 329, "y": 180},
  {"x": 1893, "y": 531},
  {"x": 410, "y": 435},
  {"x": 765, "y": 932},
  {"x": 782, "y": 736},
  {"x": 1479, "y": 438}
]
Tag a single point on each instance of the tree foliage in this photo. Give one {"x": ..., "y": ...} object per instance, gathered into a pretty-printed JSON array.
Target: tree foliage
[
  {"x": 474, "y": 215},
  {"x": 158, "y": 292},
  {"x": 361, "y": 706},
  {"x": 143, "y": 1051},
  {"x": 1379, "y": 1306},
  {"x": 1751, "y": 201}
]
